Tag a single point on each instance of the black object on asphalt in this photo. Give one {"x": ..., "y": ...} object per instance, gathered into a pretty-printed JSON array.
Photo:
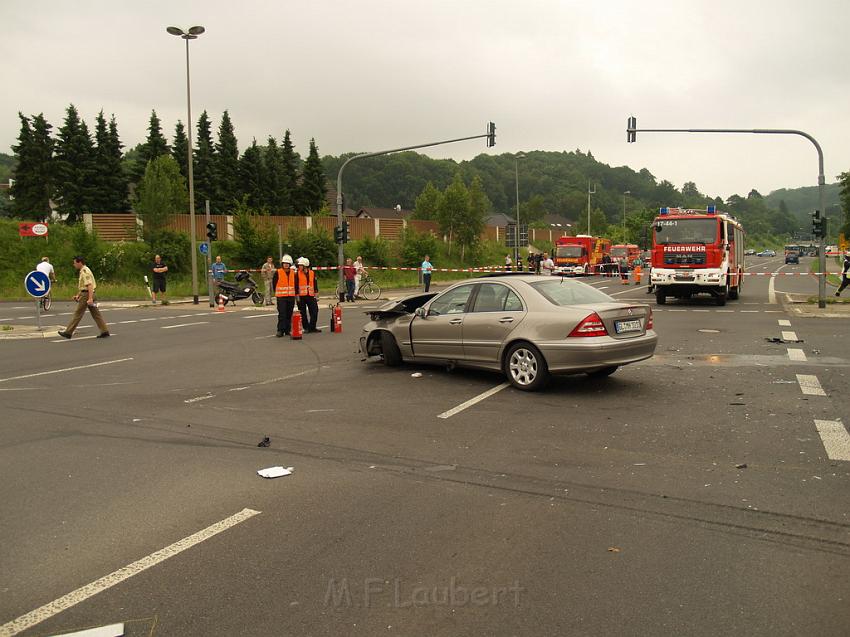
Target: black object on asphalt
[{"x": 265, "y": 442}]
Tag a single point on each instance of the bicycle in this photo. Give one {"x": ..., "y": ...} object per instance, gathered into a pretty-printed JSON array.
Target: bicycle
[
  {"x": 44, "y": 302},
  {"x": 368, "y": 289}
]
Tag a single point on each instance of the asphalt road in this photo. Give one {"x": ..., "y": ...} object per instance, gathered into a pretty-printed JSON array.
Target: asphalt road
[{"x": 619, "y": 506}]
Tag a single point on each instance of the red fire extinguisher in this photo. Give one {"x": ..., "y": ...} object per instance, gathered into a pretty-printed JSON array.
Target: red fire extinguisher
[
  {"x": 337, "y": 319},
  {"x": 296, "y": 332}
]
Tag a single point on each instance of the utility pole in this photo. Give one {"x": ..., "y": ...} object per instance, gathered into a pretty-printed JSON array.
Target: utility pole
[{"x": 589, "y": 192}]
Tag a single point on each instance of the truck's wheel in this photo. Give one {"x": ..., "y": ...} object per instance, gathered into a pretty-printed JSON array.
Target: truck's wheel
[{"x": 720, "y": 299}]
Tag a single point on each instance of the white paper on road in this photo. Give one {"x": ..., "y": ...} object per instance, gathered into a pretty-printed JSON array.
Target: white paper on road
[
  {"x": 113, "y": 630},
  {"x": 275, "y": 472}
]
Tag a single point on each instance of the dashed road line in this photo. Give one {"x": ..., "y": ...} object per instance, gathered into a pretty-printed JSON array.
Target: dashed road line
[
  {"x": 789, "y": 336},
  {"x": 810, "y": 385},
  {"x": 473, "y": 401},
  {"x": 785, "y": 322},
  {"x": 66, "y": 369},
  {"x": 83, "y": 593},
  {"x": 835, "y": 439},
  {"x": 797, "y": 355},
  {"x": 171, "y": 327},
  {"x": 198, "y": 399}
]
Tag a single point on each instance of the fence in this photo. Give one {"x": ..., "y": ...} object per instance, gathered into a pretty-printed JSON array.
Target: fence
[{"x": 125, "y": 227}]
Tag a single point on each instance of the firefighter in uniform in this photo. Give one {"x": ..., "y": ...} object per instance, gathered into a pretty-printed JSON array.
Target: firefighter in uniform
[
  {"x": 284, "y": 284},
  {"x": 308, "y": 291}
]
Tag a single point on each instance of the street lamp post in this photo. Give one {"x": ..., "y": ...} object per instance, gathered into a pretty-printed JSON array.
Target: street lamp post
[
  {"x": 517, "y": 157},
  {"x": 590, "y": 191},
  {"x": 191, "y": 34},
  {"x": 625, "y": 192}
]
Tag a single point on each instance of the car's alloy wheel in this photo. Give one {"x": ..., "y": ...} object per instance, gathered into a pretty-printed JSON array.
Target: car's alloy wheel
[{"x": 526, "y": 368}]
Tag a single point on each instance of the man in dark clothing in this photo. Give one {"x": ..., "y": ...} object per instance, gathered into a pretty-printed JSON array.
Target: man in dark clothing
[
  {"x": 306, "y": 290},
  {"x": 159, "y": 269},
  {"x": 538, "y": 258},
  {"x": 845, "y": 275}
]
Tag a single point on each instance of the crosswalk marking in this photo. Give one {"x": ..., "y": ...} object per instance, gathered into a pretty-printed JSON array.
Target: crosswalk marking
[
  {"x": 835, "y": 439},
  {"x": 810, "y": 385}
]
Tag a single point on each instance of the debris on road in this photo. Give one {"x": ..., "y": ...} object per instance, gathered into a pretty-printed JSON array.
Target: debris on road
[
  {"x": 743, "y": 465},
  {"x": 416, "y": 375},
  {"x": 275, "y": 472},
  {"x": 265, "y": 442},
  {"x": 613, "y": 549},
  {"x": 775, "y": 339}
]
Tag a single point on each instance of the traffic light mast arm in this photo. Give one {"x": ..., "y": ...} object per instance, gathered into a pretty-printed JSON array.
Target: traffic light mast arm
[
  {"x": 490, "y": 135},
  {"x": 632, "y": 130}
]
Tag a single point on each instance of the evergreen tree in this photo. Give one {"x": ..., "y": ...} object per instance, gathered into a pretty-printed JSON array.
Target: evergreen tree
[
  {"x": 75, "y": 167},
  {"x": 252, "y": 176},
  {"x": 34, "y": 175},
  {"x": 160, "y": 194},
  {"x": 155, "y": 146},
  {"x": 227, "y": 186},
  {"x": 290, "y": 175},
  {"x": 100, "y": 203},
  {"x": 180, "y": 149},
  {"x": 275, "y": 195},
  {"x": 844, "y": 181},
  {"x": 312, "y": 190},
  {"x": 117, "y": 177},
  {"x": 204, "y": 179}
]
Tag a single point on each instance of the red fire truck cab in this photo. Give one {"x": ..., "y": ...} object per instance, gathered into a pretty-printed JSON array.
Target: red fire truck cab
[
  {"x": 579, "y": 255},
  {"x": 697, "y": 251},
  {"x": 629, "y": 252}
]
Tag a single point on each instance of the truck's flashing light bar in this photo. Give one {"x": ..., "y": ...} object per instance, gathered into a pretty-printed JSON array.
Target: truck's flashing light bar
[{"x": 710, "y": 210}]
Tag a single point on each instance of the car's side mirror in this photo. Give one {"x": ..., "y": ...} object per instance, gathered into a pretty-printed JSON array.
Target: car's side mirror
[{"x": 420, "y": 312}]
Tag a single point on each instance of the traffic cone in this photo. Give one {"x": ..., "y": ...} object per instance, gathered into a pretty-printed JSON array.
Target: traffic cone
[
  {"x": 296, "y": 333},
  {"x": 220, "y": 307}
]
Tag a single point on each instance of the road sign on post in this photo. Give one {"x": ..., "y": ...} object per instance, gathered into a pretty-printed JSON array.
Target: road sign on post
[
  {"x": 37, "y": 284},
  {"x": 204, "y": 248}
]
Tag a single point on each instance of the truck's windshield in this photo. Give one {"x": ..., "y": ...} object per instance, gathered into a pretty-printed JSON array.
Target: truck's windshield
[
  {"x": 570, "y": 252},
  {"x": 619, "y": 252},
  {"x": 685, "y": 231}
]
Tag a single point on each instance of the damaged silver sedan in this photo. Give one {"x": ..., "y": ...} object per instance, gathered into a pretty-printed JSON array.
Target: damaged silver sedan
[{"x": 525, "y": 326}]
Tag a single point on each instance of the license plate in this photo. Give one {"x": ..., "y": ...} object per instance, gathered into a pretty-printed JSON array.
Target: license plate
[
  {"x": 627, "y": 326},
  {"x": 680, "y": 277}
]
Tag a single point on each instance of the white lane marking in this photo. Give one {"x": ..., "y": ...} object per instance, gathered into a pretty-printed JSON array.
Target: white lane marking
[
  {"x": 700, "y": 310},
  {"x": 323, "y": 327},
  {"x": 65, "y": 369},
  {"x": 602, "y": 287},
  {"x": 25, "y": 317},
  {"x": 237, "y": 389},
  {"x": 785, "y": 322},
  {"x": 677, "y": 310},
  {"x": 727, "y": 311},
  {"x": 148, "y": 319},
  {"x": 640, "y": 287},
  {"x": 198, "y": 399},
  {"x": 171, "y": 327},
  {"x": 79, "y": 338},
  {"x": 256, "y": 338},
  {"x": 809, "y": 384},
  {"x": 184, "y": 316},
  {"x": 750, "y": 311},
  {"x": 835, "y": 439},
  {"x": 123, "y": 322},
  {"x": 19, "y": 307},
  {"x": 83, "y": 593},
  {"x": 472, "y": 401},
  {"x": 797, "y": 355},
  {"x": 260, "y": 315},
  {"x": 789, "y": 336}
]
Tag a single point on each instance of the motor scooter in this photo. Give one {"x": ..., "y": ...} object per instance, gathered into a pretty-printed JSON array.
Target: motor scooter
[{"x": 245, "y": 287}]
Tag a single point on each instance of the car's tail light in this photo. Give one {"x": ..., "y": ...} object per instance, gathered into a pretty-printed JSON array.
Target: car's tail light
[
  {"x": 591, "y": 325},
  {"x": 649, "y": 320}
]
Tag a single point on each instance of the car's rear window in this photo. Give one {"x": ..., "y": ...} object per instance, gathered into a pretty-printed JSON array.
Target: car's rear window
[{"x": 563, "y": 292}]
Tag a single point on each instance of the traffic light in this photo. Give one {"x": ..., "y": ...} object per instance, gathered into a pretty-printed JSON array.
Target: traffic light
[
  {"x": 491, "y": 134},
  {"x": 212, "y": 231},
  {"x": 345, "y": 235},
  {"x": 337, "y": 234},
  {"x": 818, "y": 224},
  {"x": 631, "y": 130}
]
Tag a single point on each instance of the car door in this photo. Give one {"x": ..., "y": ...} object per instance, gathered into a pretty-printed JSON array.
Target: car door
[
  {"x": 439, "y": 334},
  {"x": 495, "y": 312}
]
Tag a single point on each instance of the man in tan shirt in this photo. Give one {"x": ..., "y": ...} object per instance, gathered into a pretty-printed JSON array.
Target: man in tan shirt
[
  {"x": 268, "y": 271},
  {"x": 85, "y": 299}
]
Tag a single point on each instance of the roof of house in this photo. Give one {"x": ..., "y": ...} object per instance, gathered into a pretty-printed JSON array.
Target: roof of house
[
  {"x": 499, "y": 219},
  {"x": 383, "y": 213}
]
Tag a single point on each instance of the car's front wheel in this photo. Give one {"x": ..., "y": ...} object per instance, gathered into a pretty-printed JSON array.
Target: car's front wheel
[
  {"x": 525, "y": 367},
  {"x": 390, "y": 350}
]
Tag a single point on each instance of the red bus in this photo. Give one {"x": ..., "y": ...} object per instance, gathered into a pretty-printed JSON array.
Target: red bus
[{"x": 695, "y": 252}]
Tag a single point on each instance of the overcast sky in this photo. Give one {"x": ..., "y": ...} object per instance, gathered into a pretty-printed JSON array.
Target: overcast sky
[{"x": 373, "y": 74}]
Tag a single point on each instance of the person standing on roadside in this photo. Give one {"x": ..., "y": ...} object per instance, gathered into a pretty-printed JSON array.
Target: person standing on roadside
[
  {"x": 159, "y": 269},
  {"x": 531, "y": 262},
  {"x": 348, "y": 276},
  {"x": 538, "y": 259},
  {"x": 845, "y": 274},
  {"x": 359, "y": 273},
  {"x": 267, "y": 272},
  {"x": 547, "y": 266},
  {"x": 427, "y": 268},
  {"x": 218, "y": 269},
  {"x": 306, "y": 290},
  {"x": 284, "y": 282},
  {"x": 508, "y": 263},
  {"x": 85, "y": 298}
]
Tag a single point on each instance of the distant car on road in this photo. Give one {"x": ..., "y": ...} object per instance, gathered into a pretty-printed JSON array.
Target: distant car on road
[
  {"x": 749, "y": 253},
  {"x": 766, "y": 253},
  {"x": 525, "y": 326},
  {"x": 792, "y": 254}
]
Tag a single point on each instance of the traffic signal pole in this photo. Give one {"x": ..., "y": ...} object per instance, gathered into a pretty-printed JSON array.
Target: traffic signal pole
[
  {"x": 631, "y": 136},
  {"x": 491, "y": 141}
]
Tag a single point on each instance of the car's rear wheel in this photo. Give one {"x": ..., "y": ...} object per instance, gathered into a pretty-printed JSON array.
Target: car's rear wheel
[
  {"x": 390, "y": 350},
  {"x": 604, "y": 372},
  {"x": 525, "y": 367}
]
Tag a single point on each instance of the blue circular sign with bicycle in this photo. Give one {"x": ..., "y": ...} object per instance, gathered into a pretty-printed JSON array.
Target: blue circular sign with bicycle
[{"x": 37, "y": 284}]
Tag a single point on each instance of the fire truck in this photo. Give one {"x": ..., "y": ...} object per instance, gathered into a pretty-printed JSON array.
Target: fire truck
[
  {"x": 580, "y": 254},
  {"x": 697, "y": 252},
  {"x": 629, "y": 252}
]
